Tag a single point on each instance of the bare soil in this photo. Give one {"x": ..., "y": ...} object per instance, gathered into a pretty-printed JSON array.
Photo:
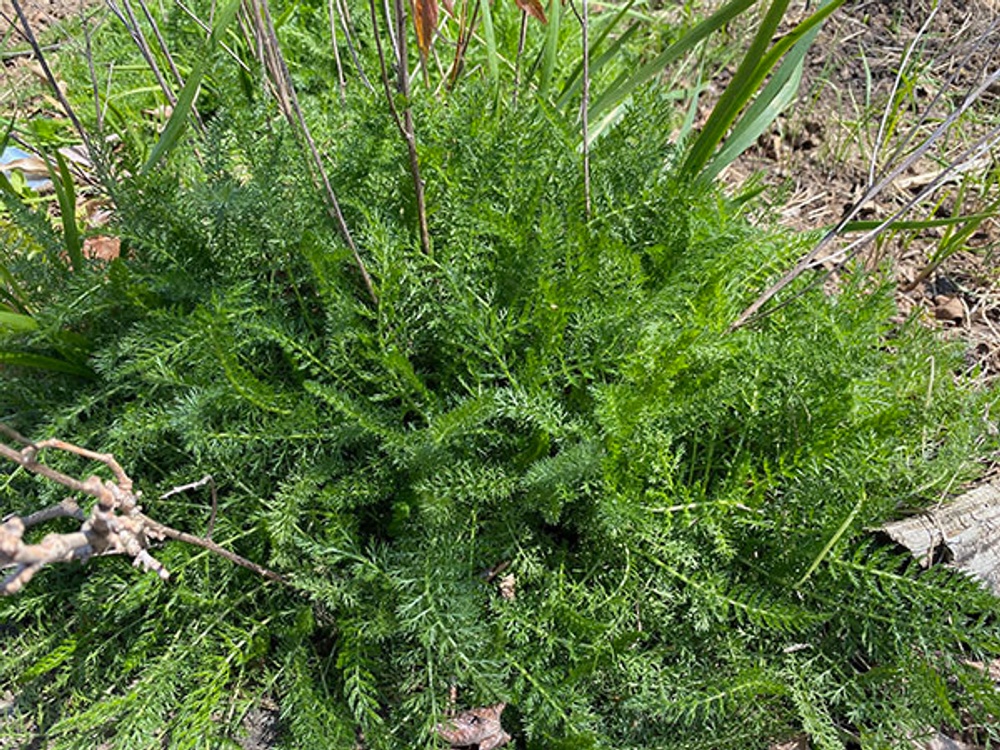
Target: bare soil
[
  {"x": 20, "y": 73},
  {"x": 41, "y": 13},
  {"x": 822, "y": 155}
]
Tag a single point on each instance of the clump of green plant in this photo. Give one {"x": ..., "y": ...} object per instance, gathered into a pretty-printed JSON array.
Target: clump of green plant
[
  {"x": 539, "y": 470},
  {"x": 529, "y": 464}
]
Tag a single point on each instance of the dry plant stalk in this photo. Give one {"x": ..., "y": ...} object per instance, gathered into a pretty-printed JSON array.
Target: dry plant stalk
[
  {"x": 115, "y": 525},
  {"x": 404, "y": 121},
  {"x": 265, "y": 41}
]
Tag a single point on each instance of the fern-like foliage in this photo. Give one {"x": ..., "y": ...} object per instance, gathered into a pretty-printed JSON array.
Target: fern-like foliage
[{"x": 683, "y": 511}]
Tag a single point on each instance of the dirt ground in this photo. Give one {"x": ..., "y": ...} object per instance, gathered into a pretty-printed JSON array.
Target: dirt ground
[
  {"x": 41, "y": 13},
  {"x": 822, "y": 155}
]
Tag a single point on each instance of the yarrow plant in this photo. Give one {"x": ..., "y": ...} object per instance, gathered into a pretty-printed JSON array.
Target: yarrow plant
[{"x": 526, "y": 489}]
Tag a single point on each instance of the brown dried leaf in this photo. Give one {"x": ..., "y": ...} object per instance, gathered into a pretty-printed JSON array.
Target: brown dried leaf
[
  {"x": 508, "y": 587},
  {"x": 533, "y": 8},
  {"x": 101, "y": 247},
  {"x": 949, "y": 309},
  {"x": 476, "y": 727},
  {"x": 425, "y": 18},
  {"x": 801, "y": 742}
]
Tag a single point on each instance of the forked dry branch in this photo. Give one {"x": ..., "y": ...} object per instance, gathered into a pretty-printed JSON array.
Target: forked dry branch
[{"x": 115, "y": 525}]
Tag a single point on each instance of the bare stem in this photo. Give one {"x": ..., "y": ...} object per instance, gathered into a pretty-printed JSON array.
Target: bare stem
[
  {"x": 585, "y": 105},
  {"x": 210, "y": 481},
  {"x": 404, "y": 123},
  {"x": 520, "y": 51},
  {"x": 33, "y": 42},
  {"x": 131, "y": 23},
  {"x": 466, "y": 27},
  {"x": 347, "y": 26},
  {"x": 284, "y": 90},
  {"x": 341, "y": 81},
  {"x": 66, "y": 508},
  {"x": 211, "y": 546},
  {"x": 88, "y": 52}
]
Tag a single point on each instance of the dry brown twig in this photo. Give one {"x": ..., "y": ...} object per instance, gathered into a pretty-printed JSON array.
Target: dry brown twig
[{"x": 115, "y": 525}]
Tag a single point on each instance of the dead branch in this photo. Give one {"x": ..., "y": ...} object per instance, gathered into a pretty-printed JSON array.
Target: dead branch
[{"x": 115, "y": 525}]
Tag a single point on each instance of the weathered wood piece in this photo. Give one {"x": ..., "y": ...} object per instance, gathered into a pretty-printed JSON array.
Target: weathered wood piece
[{"x": 968, "y": 528}]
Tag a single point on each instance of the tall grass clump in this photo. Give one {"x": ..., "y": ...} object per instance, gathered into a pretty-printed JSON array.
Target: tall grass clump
[{"x": 537, "y": 468}]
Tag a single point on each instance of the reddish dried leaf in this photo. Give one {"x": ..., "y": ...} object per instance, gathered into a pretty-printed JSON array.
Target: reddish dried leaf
[
  {"x": 533, "y": 8},
  {"x": 425, "y": 18},
  {"x": 476, "y": 727}
]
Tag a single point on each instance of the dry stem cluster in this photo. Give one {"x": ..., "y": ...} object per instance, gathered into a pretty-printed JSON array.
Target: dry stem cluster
[{"x": 115, "y": 525}]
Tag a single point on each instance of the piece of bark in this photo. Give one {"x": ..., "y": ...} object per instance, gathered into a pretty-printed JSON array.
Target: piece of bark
[{"x": 968, "y": 530}]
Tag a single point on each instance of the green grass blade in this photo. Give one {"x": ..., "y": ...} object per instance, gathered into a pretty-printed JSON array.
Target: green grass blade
[
  {"x": 625, "y": 85},
  {"x": 17, "y": 323},
  {"x": 62, "y": 182},
  {"x": 492, "y": 58},
  {"x": 842, "y": 529},
  {"x": 13, "y": 295},
  {"x": 756, "y": 66},
  {"x": 282, "y": 19},
  {"x": 687, "y": 126},
  {"x": 915, "y": 224},
  {"x": 6, "y": 134},
  {"x": 777, "y": 95},
  {"x": 42, "y": 362},
  {"x": 178, "y": 118},
  {"x": 738, "y": 92},
  {"x": 551, "y": 51}
]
